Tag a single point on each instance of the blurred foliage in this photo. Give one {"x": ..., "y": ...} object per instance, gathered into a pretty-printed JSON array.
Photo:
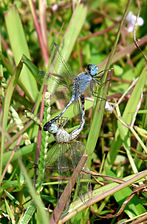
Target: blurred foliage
[{"x": 121, "y": 146}]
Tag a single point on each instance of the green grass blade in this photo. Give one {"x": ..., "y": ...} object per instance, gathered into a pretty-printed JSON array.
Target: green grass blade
[
  {"x": 8, "y": 95},
  {"x": 96, "y": 122},
  {"x": 134, "y": 99},
  {"x": 34, "y": 69},
  {"x": 6, "y": 63},
  {"x": 37, "y": 200},
  {"x": 129, "y": 113},
  {"x": 20, "y": 152},
  {"x": 19, "y": 47},
  {"x": 28, "y": 214},
  {"x": 10, "y": 213}
]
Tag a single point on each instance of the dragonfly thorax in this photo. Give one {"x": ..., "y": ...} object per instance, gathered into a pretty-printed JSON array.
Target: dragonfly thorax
[
  {"x": 81, "y": 83},
  {"x": 62, "y": 136},
  {"x": 92, "y": 69}
]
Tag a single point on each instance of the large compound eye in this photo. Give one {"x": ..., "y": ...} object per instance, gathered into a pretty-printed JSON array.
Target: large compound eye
[
  {"x": 93, "y": 67},
  {"x": 94, "y": 70},
  {"x": 53, "y": 129}
]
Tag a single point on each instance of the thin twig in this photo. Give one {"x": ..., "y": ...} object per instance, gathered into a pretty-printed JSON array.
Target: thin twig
[
  {"x": 38, "y": 30},
  {"x": 97, "y": 33},
  {"x": 10, "y": 158},
  {"x": 43, "y": 23},
  {"x": 110, "y": 216},
  {"x": 127, "y": 50},
  {"x": 104, "y": 14},
  {"x": 134, "y": 30},
  {"x": 99, "y": 196}
]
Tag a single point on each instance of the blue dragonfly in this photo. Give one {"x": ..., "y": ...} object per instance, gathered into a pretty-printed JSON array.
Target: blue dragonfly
[{"x": 81, "y": 83}]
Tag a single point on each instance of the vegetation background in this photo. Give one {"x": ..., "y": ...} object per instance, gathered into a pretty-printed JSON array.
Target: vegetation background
[{"x": 115, "y": 142}]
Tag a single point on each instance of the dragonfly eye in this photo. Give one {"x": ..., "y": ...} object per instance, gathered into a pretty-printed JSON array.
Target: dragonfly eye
[
  {"x": 53, "y": 129},
  {"x": 93, "y": 70}
]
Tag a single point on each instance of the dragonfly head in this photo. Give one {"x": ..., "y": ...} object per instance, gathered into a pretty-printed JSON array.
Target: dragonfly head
[
  {"x": 92, "y": 69},
  {"x": 51, "y": 127}
]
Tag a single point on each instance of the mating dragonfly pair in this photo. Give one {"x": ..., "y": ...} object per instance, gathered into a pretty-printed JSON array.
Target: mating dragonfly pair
[
  {"x": 81, "y": 83},
  {"x": 55, "y": 126}
]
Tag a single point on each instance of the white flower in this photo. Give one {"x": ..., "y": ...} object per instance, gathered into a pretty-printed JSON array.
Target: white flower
[
  {"x": 108, "y": 107},
  {"x": 54, "y": 7},
  {"x": 131, "y": 18}
]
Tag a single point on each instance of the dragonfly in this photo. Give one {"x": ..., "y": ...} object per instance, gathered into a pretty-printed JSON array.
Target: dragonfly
[
  {"x": 70, "y": 150},
  {"x": 81, "y": 83}
]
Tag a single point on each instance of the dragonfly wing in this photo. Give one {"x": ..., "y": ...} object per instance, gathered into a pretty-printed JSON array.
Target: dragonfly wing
[
  {"x": 84, "y": 182},
  {"x": 59, "y": 163},
  {"x": 59, "y": 67},
  {"x": 76, "y": 151},
  {"x": 57, "y": 158},
  {"x": 52, "y": 157}
]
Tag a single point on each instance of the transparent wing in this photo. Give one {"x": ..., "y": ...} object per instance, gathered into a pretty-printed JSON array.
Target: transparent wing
[
  {"x": 65, "y": 156},
  {"x": 76, "y": 152},
  {"x": 52, "y": 157},
  {"x": 84, "y": 181},
  {"x": 58, "y": 68}
]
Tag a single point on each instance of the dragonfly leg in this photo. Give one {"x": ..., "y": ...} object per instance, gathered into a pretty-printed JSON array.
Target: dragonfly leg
[
  {"x": 64, "y": 121},
  {"x": 97, "y": 81},
  {"x": 94, "y": 93},
  {"x": 103, "y": 83},
  {"x": 97, "y": 78}
]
